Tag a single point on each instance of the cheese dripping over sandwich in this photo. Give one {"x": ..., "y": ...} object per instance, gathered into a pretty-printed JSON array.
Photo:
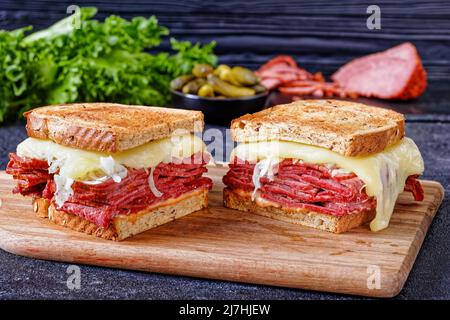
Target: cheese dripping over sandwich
[{"x": 384, "y": 173}]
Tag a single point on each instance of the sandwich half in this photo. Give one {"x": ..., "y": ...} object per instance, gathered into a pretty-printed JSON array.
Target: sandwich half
[
  {"x": 112, "y": 170},
  {"x": 327, "y": 164}
]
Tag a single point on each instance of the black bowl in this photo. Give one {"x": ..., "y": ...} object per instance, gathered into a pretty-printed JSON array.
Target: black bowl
[{"x": 220, "y": 110}]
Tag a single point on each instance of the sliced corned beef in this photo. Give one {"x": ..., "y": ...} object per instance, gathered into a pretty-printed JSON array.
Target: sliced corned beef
[
  {"x": 99, "y": 203},
  {"x": 312, "y": 187}
]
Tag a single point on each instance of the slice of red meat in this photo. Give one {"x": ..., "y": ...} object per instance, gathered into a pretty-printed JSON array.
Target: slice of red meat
[
  {"x": 289, "y": 202},
  {"x": 25, "y": 163},
  {"x": 239, "y": 179},
  {"x": 350, "y": 207},
  {"x": 283, "y": 73},
  {"x": 31, "y": 175},
  {"x": 298, "y": 90},
  {"x": 28, "y": 180},
  {"x": 270, "y": 83},
  {"x": 49, "y": 190},
  {"x": 281, "y": 70},
  {"x": 413, "y": 185},
  {"x": 100, "y": 215},
  {"x": 35, "y": 191},
  {"x": 396, "y": 73},
  {"x": 292, "y": 181},
  {"x": 279, "y": 60}
]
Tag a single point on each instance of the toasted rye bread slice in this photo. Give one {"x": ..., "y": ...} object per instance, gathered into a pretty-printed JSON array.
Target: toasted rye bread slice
[
  {"x": 351, "y": 129},
  {"x": 311, "y": 219},
  {"x": 40, "y": 207},
  {"x": 109, "y": 127},
  {"x": 124, "y": 226}
]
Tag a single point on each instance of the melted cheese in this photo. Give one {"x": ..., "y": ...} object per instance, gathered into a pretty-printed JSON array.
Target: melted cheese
[
  {"x": 79, "y": 164},
  {"x": 384, "y": 173}
]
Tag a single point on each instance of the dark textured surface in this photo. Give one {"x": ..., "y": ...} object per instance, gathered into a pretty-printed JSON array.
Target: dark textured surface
[
  {"x": 430, "y": 278},
  {"x": 322, "y": 35}
]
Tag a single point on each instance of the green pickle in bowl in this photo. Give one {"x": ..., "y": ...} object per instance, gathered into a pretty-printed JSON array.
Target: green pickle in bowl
[
  {"x": 193, "y": 86},
  {"x": 202, "y": 70},
  {"x": 206, "y": 90},
  {"x": 220, "y": 83},
  {"x": 229, "y": 90}
]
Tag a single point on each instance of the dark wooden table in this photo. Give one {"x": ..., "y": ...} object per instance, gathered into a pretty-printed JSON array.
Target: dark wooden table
[{"x": 321, "y": 35}]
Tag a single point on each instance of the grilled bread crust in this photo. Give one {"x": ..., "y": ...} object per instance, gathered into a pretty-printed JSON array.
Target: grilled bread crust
[
  {"x": 109, "y": 127},
  {"x": 349, "y": 128},
  {"x": 124, "y": 226}
]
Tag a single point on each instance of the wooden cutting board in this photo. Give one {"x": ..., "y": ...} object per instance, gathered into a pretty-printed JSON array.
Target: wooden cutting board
[{"x": 220, "y": 243}]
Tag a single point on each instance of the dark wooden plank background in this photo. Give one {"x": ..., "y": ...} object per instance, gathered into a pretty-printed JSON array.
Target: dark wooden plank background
[{"x": 322, "y": 35}]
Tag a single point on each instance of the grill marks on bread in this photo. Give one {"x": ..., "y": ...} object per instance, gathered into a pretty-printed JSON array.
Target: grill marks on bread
[
  {"x": 108, "y": 127},
  {"x": 348, "y": 128}
]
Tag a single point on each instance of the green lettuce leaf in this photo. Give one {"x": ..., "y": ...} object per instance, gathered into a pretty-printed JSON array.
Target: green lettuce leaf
[{"x": 99, "y": 61}]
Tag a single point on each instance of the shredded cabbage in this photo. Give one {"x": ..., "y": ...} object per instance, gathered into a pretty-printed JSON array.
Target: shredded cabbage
[
  {"x": 336, "y": 172},
  {"x": 262, "y": 169},
  {"x": 112, "y": 169},
  {"x": 152, "y": 185},
  {"x": 63, "y": 189},
  {"x": 54, "y": 165}
]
